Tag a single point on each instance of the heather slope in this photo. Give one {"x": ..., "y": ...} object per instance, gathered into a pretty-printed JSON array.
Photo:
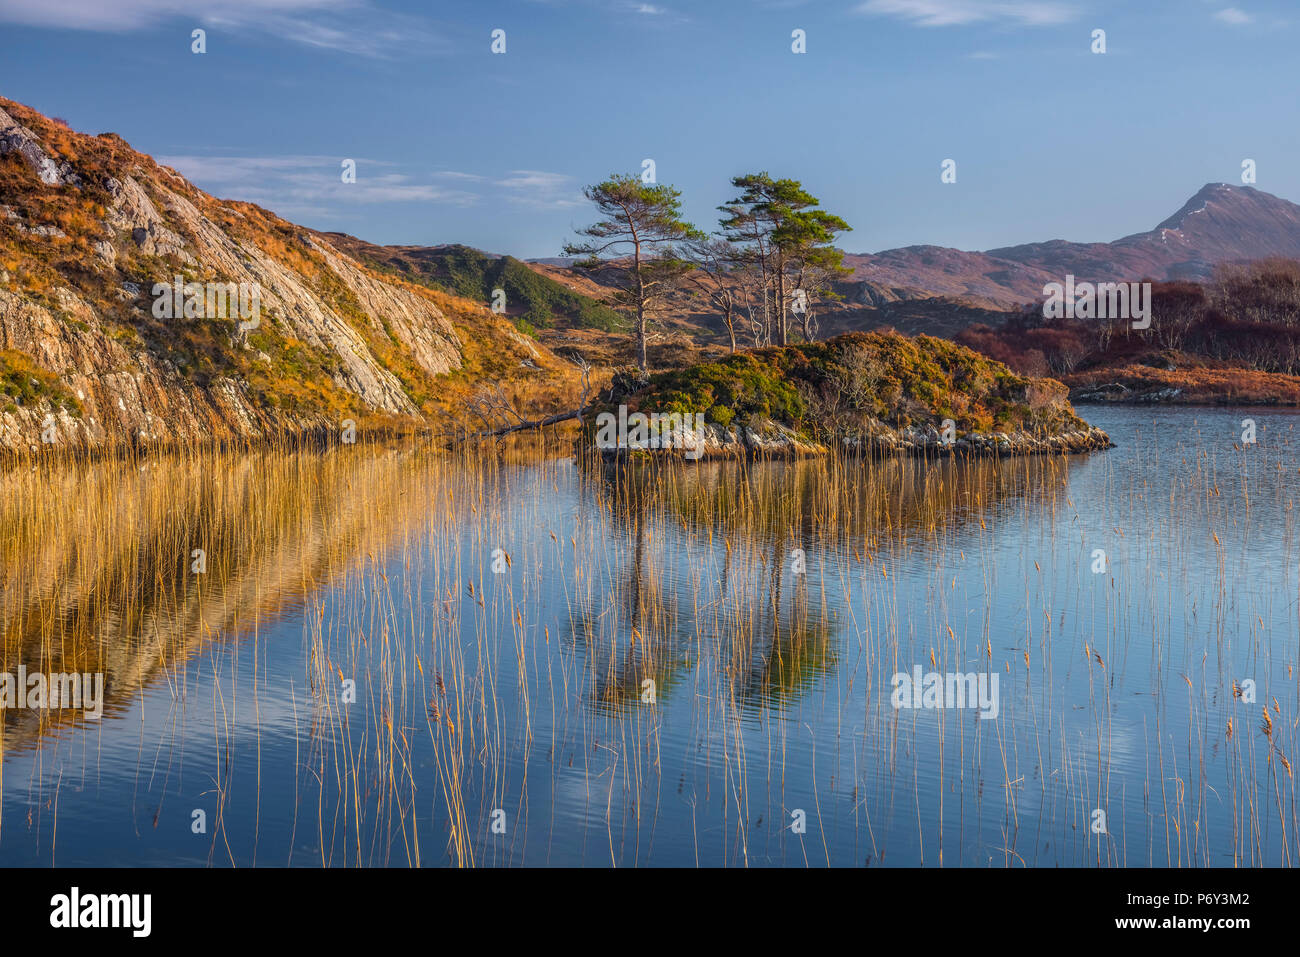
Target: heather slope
[{"x": 88, "y": 226}]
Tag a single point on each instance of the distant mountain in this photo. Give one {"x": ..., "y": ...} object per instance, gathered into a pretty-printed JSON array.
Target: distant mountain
[{"x": 1221, "y": 223}]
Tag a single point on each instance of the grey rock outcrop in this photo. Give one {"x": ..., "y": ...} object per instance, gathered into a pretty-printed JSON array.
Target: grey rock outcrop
[{"x": 15, "y": 138}]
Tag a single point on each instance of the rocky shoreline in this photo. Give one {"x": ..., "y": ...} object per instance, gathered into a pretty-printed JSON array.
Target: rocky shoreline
[
  {"x": 1215, "y": 387},
  {"x": 712, "y": 442},
  {"x": 1116, "y": 393}
]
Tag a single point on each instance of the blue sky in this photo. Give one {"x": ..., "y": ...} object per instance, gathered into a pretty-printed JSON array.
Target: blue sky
[{"x": 455, "y": 144}]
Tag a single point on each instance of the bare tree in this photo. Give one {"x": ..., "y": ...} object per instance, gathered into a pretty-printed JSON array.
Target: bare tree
[
  {"x": 813, "y": 285},
  {"x": 716, "y": 263}
]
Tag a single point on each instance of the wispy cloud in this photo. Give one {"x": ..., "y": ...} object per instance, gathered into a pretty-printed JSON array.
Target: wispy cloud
[
  {"x": 947, "y": 13},
  {"x": 644, "y": 9},
  {"x": 125, "y": 15},
  {"x": 1234, "y": 16},
  {"x": 312, "y": 185},
  {"x": 541, "y": 190},
  {"x": 350, "y": 26},
  {"x": 453, "y": 174}
]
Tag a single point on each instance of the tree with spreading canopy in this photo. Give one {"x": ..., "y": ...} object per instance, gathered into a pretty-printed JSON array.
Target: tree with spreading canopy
[
  {"x": 781, "y": 229},
  {"x": 640, "y": 222}
]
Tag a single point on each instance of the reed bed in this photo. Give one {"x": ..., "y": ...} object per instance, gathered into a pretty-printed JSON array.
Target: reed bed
[{"x": 398, "y": 655}]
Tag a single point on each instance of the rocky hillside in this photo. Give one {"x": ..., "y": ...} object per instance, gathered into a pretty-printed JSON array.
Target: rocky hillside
[{"x": 89, "y": 227}]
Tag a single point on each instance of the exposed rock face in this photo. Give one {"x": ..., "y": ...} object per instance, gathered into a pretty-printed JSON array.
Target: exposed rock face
[
  {"x": 133, "y": 211},
  {"x": 15, "y": 138},
  {"x": 126, "y": 395},
  {"x": 80, "y": 305},
  {"x": 414, "y": 321}
]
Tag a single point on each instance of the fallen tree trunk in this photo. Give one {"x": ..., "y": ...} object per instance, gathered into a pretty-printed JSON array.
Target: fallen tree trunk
[{"x": 532, "y": 424}]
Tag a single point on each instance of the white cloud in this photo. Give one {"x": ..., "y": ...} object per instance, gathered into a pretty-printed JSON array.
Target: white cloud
[
  {"x": 946, "y": 13},
  {"x": 541, "y": 190},
  {"x": 351, "y": 26},
  {"x": 297, "y": 185},
  {"x": 453, "y": 174},
  {"x": 123, "y": 15},
  {"x": 312, "y": 185},
  {"x": 1234, "y": 16},
  {"x": 641, "y": 8}
]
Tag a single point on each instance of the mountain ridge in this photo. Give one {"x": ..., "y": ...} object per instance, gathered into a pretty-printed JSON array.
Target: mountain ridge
[{"x": 1220, "y": 223}]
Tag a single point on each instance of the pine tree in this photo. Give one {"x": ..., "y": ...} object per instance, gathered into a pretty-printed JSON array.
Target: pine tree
[{"x": 641, "y": 221}]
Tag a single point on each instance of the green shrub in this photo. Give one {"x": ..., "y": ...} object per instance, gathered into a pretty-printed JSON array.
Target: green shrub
[
  {"x": 819, "y": 387},
  {"x": 24, "y": 383}
]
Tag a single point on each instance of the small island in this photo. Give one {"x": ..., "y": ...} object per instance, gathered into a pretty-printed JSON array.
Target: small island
[{"x": 859, "y": 392}]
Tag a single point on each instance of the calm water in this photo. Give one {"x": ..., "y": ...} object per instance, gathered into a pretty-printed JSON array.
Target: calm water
[{"x": 507, "y": 718}]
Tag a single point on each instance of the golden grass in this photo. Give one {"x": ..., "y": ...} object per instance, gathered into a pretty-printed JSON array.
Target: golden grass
[{"x": 468, "y": 701}]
